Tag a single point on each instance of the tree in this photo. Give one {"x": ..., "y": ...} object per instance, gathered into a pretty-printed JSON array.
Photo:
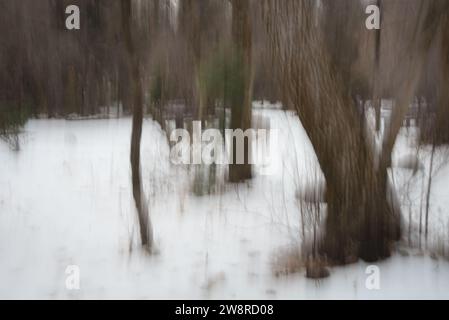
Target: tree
[
  {"x": 146, "y": 231},
  {"x": 442, "y": 127},
  {"x": 241, "y": 82},
  {"x": 362, "y": 220},
  {"x": 377, "y": 101}
]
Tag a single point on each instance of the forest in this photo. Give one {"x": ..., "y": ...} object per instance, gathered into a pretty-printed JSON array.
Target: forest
[{"x": 338, "y": 153}]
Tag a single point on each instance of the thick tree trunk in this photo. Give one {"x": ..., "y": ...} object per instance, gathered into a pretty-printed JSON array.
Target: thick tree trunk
[
  {"x": 362, "y": 215},
  {"x": 360, "y": 222},
  {"x": 241, "y": 95},
  {"x": 136, "y": 135}
]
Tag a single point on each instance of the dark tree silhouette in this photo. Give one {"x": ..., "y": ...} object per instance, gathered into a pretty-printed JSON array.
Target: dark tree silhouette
[{"x": 136, "y": 135}]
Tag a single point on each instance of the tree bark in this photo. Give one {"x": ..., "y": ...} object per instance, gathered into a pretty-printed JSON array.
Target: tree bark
[
  {"x": 136, "y": 135},
  {"x": 241, "y": 96},
  {"x": 360, "y": 222},
  {"x": 362, "y": 215}
]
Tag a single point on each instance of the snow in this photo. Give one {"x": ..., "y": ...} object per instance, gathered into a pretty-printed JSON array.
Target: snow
[
  {"x": 65, "y": 199},
  {"x": 412, "y": 184}
]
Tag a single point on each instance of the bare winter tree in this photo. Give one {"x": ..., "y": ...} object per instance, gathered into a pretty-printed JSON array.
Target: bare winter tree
[
  {"x": 362, "y": 220},
  {"x": 146, "y": 232}
]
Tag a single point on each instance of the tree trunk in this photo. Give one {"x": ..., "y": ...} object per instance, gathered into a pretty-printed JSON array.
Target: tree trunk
[
  {"x": 362, "y": 213},
  {"x": 136, "y": 135},
  {"x": 360, "y": 222},
  {"x": 377, "y": 99},
  {"x": 241, "y": 95},
  {"x": 442, "y": 128}
]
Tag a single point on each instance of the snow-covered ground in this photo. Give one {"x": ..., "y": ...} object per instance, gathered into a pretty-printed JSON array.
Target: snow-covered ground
[{"x": 65, "y": 199}]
